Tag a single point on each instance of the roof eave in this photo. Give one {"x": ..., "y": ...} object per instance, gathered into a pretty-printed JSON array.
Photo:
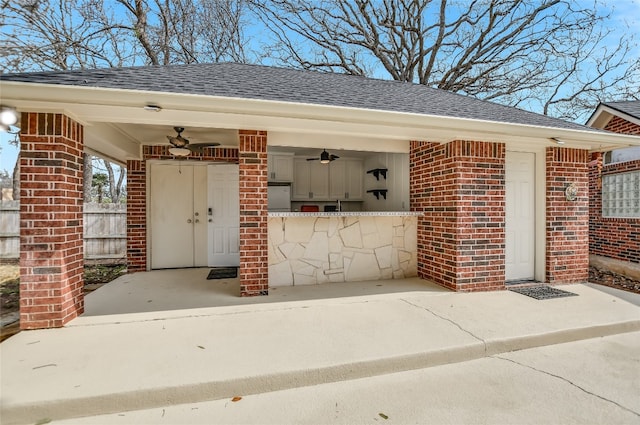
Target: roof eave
[{"x": 45, "y": 97}]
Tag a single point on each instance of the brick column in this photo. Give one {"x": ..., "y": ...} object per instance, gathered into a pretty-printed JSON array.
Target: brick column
[
  {"x": 51, "y": 234},
  {"x": 136, "y": 216},
  {"x": 459, "y": 187},
  {"x": 254, "y": 271},
  {"x": 567, "y": 222}
]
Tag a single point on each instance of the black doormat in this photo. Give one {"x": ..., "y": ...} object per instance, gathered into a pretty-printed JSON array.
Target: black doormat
[
  {"x": 542, "y": 292},
  {"x": 223, "y": 273}
]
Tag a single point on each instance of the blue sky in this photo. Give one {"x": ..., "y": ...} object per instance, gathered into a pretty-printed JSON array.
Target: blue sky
[{"x": 625, "y": 11}]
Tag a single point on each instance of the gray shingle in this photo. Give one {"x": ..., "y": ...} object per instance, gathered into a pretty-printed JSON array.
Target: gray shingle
[
  {"x": 630, "y": 107},
  {"x": 289, "y": 85}
]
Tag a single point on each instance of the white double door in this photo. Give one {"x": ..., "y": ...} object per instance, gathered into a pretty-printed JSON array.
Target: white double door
[{"x": 194, "y": 215}]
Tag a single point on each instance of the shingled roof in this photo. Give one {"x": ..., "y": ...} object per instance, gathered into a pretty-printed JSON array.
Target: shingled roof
[
  {"x": 630, "y": 107},
  {"x": 288, "y": 85}
]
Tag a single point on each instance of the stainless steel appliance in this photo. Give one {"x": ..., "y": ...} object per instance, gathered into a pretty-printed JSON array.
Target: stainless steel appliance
[{"x": 279, "y": 197}]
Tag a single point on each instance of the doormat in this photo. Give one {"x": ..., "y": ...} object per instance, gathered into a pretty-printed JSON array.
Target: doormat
[
  {"x": 223, "y": 273},
  {"x": 542, "y": 292}
]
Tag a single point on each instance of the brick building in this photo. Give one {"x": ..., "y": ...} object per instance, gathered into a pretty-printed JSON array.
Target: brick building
[
  {"x": 500, "y": 194},
  {"x": 614, "y": 187}
]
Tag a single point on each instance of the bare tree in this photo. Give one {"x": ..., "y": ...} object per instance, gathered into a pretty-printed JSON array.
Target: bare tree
[
  {"x": 553, "y": 56},
  {"x": 63, "y": 34},
  {"x": 40, "y": 35}
]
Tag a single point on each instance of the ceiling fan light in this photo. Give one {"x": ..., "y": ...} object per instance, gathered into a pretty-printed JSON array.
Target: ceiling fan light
[
  {"x": 324, "y": 157},
  {"x": 179, "y": 151}
]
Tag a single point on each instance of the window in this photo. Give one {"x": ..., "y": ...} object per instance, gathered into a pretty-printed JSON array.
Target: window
[{"x": 621, "y": 195}]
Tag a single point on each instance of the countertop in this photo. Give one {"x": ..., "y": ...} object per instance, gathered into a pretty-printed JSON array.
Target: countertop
[{"x": 344, "y": 214}]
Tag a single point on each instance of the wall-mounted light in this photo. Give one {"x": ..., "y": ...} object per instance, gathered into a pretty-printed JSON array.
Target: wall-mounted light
[
  {"x": 8, "y": 117},
  {"x": 152, "y": 108},
  {"x": 558, "y": 141},
  {"x": 571, "y": 192}
]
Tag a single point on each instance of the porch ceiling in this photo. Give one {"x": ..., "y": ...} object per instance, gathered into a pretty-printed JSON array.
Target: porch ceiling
[{"x": 117, "y": 124}]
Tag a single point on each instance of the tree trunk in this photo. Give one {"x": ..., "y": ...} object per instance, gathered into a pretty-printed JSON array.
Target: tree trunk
[
  {"x": 16, "y": 178},
  {"x": 87, "y": 176}
]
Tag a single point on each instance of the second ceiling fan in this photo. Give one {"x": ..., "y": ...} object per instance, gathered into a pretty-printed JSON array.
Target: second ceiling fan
[{"x": 325, "y": 157}]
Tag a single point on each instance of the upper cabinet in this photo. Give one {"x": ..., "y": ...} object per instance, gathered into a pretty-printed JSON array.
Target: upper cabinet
[
  {"x": 346, "y": 179},
  {"x": 340, "y": 179},
  {"x": 310, "y": 180},
  {"x": 280, "y": 167}
]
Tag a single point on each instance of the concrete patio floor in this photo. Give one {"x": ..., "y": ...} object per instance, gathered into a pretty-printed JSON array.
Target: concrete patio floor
[
  {"x": 180, "y": 289},
  {"x": 114, "y": 363}
]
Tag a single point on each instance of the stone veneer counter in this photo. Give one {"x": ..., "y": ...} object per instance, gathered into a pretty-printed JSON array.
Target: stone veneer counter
[
  {"x": 344, "y": 214},
  {"x": 320, "y": 247}
]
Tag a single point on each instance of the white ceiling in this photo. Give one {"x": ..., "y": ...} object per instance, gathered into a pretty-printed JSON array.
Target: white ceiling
[{"x": 146, "y": 134}]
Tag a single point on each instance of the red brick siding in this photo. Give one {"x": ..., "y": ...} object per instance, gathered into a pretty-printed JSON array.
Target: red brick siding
[
  {"x": 567, "y": 222},
  {"x": 51, "y": 244},
  {"x": 254, "y": 272},
  {"x": 617, "y": 238},
  {"x": 137, "y": 197},
  {"x": 620, "y": 125},
  {"x": 460, "y": 189},
  {"x": 136, "y": 216}
]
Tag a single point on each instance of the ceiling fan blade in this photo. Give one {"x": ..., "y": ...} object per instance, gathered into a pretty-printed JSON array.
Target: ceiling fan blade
[
  {"x": 333, "y": 157},
  {"x": 313, "y": 159},
  {"x": 200, "y": 147}
]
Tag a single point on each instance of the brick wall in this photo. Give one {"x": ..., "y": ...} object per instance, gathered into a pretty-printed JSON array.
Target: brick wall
[
  {"x": 567, "y": 222},
  {"x": 460, "y": 189},
  {"x": 136, "y": 216},
  {"x": 254, "y": 270},
  {"x": 51, "y": 244},
  {"x": 137, "y": 196},
  {"x": 620, "y": 125},
  {"x": 617, "y": 238}
]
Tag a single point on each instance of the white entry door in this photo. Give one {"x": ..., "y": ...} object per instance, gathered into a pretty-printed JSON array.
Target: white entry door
[
  {"x": 224, "y": 215},
  {"x": 177, "y": 211},
  {"x": 520, "y": 216}
]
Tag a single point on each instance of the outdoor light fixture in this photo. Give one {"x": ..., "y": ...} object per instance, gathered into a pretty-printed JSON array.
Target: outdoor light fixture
[
  {"x": 152, "y": 108},
  {"x": 179, "y": 151},
  {"x": 8, "y": 117},
  {"x": 324, "y": 157}
]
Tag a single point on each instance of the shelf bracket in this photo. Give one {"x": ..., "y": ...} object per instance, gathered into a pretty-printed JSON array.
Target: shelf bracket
[
  {"x": 378, "y": 192},
  {"x": 377, "y": 172}
]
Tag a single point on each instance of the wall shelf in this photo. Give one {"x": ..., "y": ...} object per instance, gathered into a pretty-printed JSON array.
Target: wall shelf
[
  {"x": 378, "y": 192},
  {"x": 377, "y": 172}
]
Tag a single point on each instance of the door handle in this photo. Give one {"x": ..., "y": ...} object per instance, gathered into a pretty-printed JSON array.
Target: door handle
[
  {"x": 197, "y": 221},
  {"x": 189, "y": 220}
]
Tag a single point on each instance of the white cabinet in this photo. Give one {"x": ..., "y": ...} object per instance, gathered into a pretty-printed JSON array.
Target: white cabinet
[
  {"x": 346, "y": 179},
  {"x": 310, "y": 180},
  {"x": 280, "y": 167}
]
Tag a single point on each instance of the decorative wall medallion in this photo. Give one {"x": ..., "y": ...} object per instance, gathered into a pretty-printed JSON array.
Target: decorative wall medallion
[{"x": 571, "y": 192}]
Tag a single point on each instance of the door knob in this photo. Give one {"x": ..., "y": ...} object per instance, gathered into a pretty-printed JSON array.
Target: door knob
[
  {"x": 189, "y": 221},
  {"x": 197, "y": 221}
]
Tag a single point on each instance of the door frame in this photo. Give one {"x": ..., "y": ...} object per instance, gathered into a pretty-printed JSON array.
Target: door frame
[
  {"x": 148, "y": 178},
  {"x": 540, "y": 225}
]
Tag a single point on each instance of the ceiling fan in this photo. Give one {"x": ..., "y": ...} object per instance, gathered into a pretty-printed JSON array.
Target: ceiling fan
[
  {"x": 181, "y": 146},
  {"x": 325, "y": 158}
]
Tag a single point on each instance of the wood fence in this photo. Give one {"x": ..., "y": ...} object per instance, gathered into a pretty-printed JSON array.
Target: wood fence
[{"x": 105, "y": 231}]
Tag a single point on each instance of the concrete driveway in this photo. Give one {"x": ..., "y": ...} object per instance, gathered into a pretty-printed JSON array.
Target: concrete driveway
[{"x": 114, "y": 363}]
